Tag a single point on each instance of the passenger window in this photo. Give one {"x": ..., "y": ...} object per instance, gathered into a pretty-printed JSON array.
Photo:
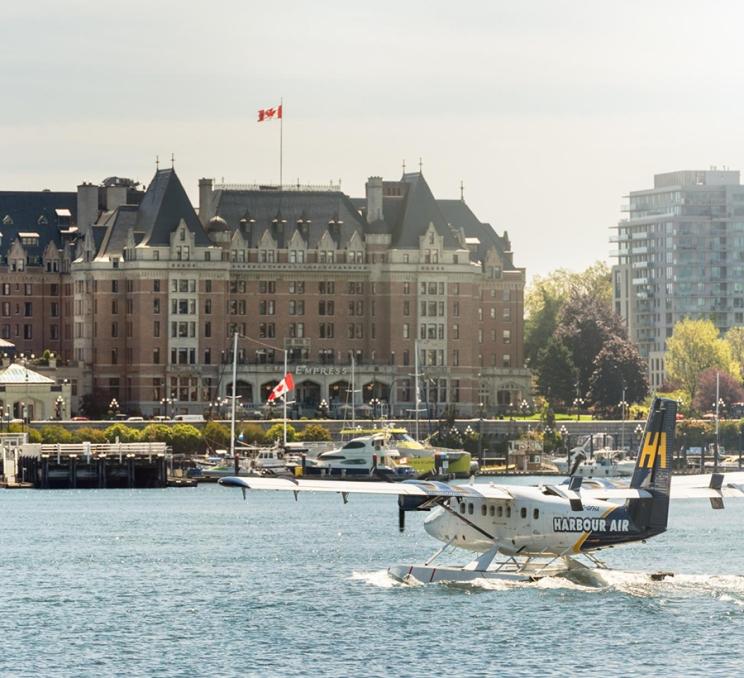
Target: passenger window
[
  {"x": 523, "y": 512},
  {"x": 483, "y": 509},
  {"x": 491, "y": 510},
  {"x": 501, "y": 511},
  {"x": 508, "y": 511},
  {"x": 536, "y": 513},
  {"x": 462, "y": 507},
  {"x": 470, "y": 508}
]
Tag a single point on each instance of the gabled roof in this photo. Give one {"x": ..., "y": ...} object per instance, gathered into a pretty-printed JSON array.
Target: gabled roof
[
  {"x": 117, "y": 224},
  {"x": 163, "y": 206},
  {"x": 36, "y": 211},
  {"x": 18, "y": 374}
]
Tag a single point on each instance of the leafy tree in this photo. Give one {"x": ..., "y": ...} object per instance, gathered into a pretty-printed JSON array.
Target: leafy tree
[
  {"x": 540, "y": 325},
  {"x": 124, "y": 433},
  {"x": 253, "y": 434},
  {"x": 93, "y": 405},
  {"x": 33, "y": 435},
  {"x": 157, "y": 433},
  {"x": 586, "y": 325},
  {"x": 730, "y": 390},
  {"x": 735, "y": 339},
  {"x": 88, "y": 434},
  {"x": 556, "y": 376},
  {"x": 216, "y": 435},
  {"x": 186, "y": 439},
  {"x": 276, "y": 432},
  {"x": 694, "y": 347},
  {"x": 618, "y": 366},
  {"x": 315, "y": 432},
  {"x": 55, "y": 434}
]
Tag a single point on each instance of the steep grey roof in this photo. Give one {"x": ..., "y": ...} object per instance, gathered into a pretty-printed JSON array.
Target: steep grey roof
[
  {"x": 163, "y": 206},
  {"x": 459, "y": 215},
  {"x": 26, "y": 208},
  {"x": 260, "y": 208},
  {"x": 419, "y": 209},
  {"x": 117, "y": 224}
]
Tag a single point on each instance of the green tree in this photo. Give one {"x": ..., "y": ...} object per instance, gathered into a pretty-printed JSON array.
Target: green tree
[
  {"x": 556, "y": 372},
  {"x": 617, "y": 367},
  {"x": 728, "y": 388},
  {"x": 540, "y": 324},
  {"x": 315, "y": 432},
  {"x": 276, "y": 432},
  {"x": 124, "y": 433},
  {"x": 252, "y": 434},
  {"x": 186, "y": 439},
  {"x": 89, "y": 435},
  {"x": 695, "y": 346},
  {"x": 735, "y": 339},
  {"x": 216, "y": 435},
  {"x": 157, "y": 433},
  {"x": 55, "y": 434}
]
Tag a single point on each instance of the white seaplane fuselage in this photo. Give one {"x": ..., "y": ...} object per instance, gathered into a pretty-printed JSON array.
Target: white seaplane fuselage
[{"x": 532, "y": 523}]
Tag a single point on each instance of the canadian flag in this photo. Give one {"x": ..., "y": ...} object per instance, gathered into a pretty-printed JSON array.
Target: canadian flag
[
  {"x": 282, "y": 388},
  {"x": 269, "y": 113}
]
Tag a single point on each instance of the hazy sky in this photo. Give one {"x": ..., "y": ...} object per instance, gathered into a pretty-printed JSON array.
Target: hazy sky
[{"x": 549, "y": 111}]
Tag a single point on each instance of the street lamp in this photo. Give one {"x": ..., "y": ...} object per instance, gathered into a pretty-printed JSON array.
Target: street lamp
[
  {"x": 59, "y": 404},
  {"x": 523, "y": 407},
  {"x": 547, "y": 432},
  {"x": 323, "y": 409},
  {"x": 578, "y": 403},
  {"x": 623, "y": 405},
  {"x": 169, "y": 403},
  {"x": 564, "y": 436},
  {"x": 480, "y": 434},
  {"x": 113, "y": 407}
]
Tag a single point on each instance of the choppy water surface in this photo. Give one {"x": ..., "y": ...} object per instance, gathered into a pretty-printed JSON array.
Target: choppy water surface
[{"x": 183, "y": 582}]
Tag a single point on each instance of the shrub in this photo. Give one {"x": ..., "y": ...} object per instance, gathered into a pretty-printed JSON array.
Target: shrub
[
  {"x": 89, "y": 435},
  {"x": 252, "y": 434},
  {"x": 157, "y": 433},
  {"x": 124, "y": 433},
  {"x": 216, "y": 435},
  {"x": 55, "y": 434},
  {"x": 187, "y": 439},
  {"x": 276, "y": 432},
  {"x": 314, "y": 432}
]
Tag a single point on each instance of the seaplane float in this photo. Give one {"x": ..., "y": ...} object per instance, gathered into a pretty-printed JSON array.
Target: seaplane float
[{"x": 525, "y": 533}]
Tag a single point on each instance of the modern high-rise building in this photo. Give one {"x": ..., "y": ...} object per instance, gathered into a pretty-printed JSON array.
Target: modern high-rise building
[
  {"x": 145, "y": 295},
  {"x": 680, "y": 254}
]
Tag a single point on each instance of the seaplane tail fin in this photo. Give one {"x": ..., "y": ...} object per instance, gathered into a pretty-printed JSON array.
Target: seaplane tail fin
[{"x": 653, "y": 470}]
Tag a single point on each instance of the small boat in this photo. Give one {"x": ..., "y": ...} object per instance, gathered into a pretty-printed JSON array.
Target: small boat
[
  {"x": 361, "y": 457},
  {"x": 603, "y": 464}
]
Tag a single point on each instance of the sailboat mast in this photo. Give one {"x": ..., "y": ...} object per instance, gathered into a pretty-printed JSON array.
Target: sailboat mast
[
  {"x": 353, "y": 392},
  {"x": 416, "y": 384},
  {"x": 234, "y": 385}
]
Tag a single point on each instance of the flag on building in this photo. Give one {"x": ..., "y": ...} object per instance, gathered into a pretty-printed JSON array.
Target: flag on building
[
  {"x": 282, "y": 388},
  {"x": 270, "y": 113}
]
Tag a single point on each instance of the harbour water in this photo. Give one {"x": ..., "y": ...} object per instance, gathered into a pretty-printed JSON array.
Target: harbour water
[{"x": 186, "y": 582}]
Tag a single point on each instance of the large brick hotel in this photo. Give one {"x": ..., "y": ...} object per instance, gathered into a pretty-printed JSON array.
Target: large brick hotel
[{"x": 139, "y": 295}]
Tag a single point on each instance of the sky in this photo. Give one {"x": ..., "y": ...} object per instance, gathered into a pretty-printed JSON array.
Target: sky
[{"x": 548, "y": 111}]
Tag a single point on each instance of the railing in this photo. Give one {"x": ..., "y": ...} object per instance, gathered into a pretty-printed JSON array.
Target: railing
[{"x": 318, "y": 188}]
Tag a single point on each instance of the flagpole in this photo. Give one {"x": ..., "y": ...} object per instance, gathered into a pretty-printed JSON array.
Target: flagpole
[
  {"x": 234, "y": 382},
  {"x": 281, "y": 152},
  {"x": 286, "y": 395}
]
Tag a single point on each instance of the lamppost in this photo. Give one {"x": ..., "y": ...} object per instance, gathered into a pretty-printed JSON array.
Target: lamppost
[
  {"x": 113, "y": 407},
  {"x": 169, "y": 403},
  {"x": 623, "y": 405},
  {"x": 523, "y": 407},
  {"x": 480, "y": 434},
  {"x": 374, "y": 404},
  {"x": 578, "y": 403},
  {"x": 638, "y": 433},
  {"x": 719, "y": 405},
  {"x": 564, "y": 436},
  {"x": 59, "y": 406},
  {"x": 547, "y": 432},
  {"x": 323, "y": 409}
]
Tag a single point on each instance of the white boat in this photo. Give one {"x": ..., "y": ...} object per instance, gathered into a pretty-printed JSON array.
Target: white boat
[
  {"x": 363, "y": 456},
  {"x": 605, "y": 463}
]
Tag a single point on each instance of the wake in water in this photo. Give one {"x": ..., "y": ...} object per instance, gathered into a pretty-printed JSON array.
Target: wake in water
[{"x": 725, "y": 588}]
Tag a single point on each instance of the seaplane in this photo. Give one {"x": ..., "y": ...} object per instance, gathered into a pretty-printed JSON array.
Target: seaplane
[{"x": 524, "y": 533}]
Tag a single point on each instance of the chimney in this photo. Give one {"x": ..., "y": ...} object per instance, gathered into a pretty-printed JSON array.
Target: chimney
[
  {"x": 205, "y": 198},
  {"x": 374, "y": 199},
  {"x": 115, "y": 196},
  {"x": 87, "y": 206}
]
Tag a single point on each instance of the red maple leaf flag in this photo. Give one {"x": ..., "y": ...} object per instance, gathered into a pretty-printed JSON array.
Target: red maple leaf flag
[
  {"x": 269, "y": 113},
  {"x": 282, "y": 388}
]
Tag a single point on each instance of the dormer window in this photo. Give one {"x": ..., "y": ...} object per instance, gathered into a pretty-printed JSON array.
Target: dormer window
[
  {"x": 29, "y": 238},
  {"x": 183, "y": 235}
]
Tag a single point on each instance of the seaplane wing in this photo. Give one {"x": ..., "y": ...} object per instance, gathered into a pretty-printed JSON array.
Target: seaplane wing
[
  {"x": 416, "y": 488},
  {"x": 708, "y": 485}
]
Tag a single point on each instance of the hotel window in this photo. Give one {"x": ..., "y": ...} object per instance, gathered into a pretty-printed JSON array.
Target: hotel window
[
  {"x": 114, "y": 329},
  {"x": 325, "y": 308},
  {"x": 406, "y": 307},
  {"x": 114, "y": 286},
  {"x": 264, "y": 286},
  {"x": 506, "y": 313},
  {"x": 456, "y": 358},
  {"x": 27, "y": 309},
  {"x": 266, "y": 330},
  {"x": 480, "y": 336},
  {"x": 406, "y": 358},
  {"x": 296, "y": 256},
  {"x": 296, "y": 307},
  {"x": 507, "y": 336},
  {"x": 208, "y": 329},
  {"x": 328, "y": 287},
  {"x": 505, "y": 295},
  {"x": 456, "y": 309},
  {"x": 455, "y": 287},
  {"x": 156, "y": 356},
  {"x": 480, "y": 314},
  {"x": 267, "y": 307},
  {"x": 406, "y": 331},
  {"x": 506, "y": 360},
  {"x": 208, "y": 306},
  {"x": 297, "y": 330},
  {"x": 456, "y": 331},
  {"x": 296, "y": 287},
  {"x": 326, "y": 330},
  {"x": 406, "y": 288},
  {"x": 156, "y": 328},
  {"x": 156, "y": 285}
]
